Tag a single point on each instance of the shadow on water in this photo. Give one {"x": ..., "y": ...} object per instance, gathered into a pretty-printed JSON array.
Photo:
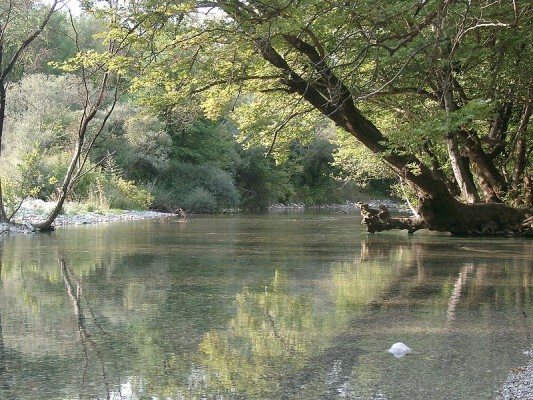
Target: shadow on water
[{"x": 284, "y": 306}]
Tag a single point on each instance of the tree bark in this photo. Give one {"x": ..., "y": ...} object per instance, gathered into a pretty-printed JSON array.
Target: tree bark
[
  {"x": 463, "y": 178},
  {"x": 521, "y": 146},
  {"x": 491, "y": 181},
  {"x": 482, "y": 219}
]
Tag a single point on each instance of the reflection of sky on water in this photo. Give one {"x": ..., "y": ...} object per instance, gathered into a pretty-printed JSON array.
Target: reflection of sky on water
[{"x": 296, "y": 306}]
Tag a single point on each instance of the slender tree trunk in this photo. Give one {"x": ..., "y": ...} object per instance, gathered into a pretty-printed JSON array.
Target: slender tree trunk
[
  {"x": 47, "y": 224},
  {"x": 521, "y": 146},
  {"x": 80, "y": 155},
  {"x": 73, "y": 171},
  {"x": 3, "y": 216},
  {"x": 462, "y": 176}
]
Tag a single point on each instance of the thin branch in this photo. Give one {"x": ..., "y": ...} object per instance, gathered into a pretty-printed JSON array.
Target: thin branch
[
  {"x": 235, "y": 80},
  {"x": 25, "y": 44},
  {"x": 411, "y": 56},
  {"x": 283, "y": 125}
]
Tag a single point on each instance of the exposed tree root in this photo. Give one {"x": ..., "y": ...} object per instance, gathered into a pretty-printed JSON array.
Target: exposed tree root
[
  {"x": 481, "y": 223},
  {"x": 380, "y": 220}
]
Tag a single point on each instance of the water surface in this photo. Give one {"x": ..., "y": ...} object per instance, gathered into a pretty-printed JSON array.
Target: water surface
[{"x": 287, "y": 305}]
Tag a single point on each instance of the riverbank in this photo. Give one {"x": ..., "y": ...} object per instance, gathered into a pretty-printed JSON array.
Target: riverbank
[
  {"x": 519, "y": 382},
  {"x": 34, "y": 211}
]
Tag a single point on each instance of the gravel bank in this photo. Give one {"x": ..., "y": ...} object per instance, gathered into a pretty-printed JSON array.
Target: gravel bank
[
  {"x": 519, "y": 383},
  {"x": 34, "y": 211}
]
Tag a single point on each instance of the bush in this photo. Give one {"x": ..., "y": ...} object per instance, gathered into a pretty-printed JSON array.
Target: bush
[
  {"x": 24, "y": 181},
  {"x": 261, "y": 181},
  {"x": 184, "y": 184},
  {"x": 164, "y": 200},
  {"x": 118, "y": 193},
  {"x": 200, "y": 200}
]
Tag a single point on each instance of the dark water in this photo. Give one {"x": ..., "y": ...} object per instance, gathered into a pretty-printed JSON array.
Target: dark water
[{"x": 279, "y": 306}]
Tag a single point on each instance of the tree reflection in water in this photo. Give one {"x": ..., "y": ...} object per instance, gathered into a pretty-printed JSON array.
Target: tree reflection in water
[
  {"x": 259, "y": 313},
  {"x": 271, "y": 334},
  {"x": 88, "y": 341},
  {"x": 3, "y": 377},
  {"x": 279, "y": 346}
]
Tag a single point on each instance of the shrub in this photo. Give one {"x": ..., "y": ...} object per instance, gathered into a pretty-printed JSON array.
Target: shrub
[
  {"x": 164, "y": 200},
  {"x": 261, "y": 181},
  {"x": 200, "y": 200},
  {"x": 26, "y": 181},
  {"x": 126, "y": 195},
  {"x": 118, "y": 193},
  {"x": 186, "y": 183}
]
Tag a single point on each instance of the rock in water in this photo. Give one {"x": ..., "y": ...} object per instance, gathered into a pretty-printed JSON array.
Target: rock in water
[{"x": 399, "y": 350}]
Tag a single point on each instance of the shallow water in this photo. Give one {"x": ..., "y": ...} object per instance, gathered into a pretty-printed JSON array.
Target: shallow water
[{"x": 287, "y": 305}]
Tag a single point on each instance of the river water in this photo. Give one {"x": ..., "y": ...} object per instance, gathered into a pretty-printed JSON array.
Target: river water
[{"x": 286, "y": 305}]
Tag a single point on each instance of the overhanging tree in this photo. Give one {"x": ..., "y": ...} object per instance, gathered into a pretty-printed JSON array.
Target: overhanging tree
[{"x": 454, "y": 76}]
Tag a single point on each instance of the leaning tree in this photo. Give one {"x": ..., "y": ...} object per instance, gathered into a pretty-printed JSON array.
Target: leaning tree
[{"x": 454, "y": 77}]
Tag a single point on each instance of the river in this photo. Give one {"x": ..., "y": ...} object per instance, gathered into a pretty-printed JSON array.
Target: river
[{"x": 284, "y": 305}]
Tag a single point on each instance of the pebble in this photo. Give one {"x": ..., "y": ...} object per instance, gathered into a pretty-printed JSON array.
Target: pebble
[
  {"x": 519, "y": 384},
  {"x": 34, "y": 211}
]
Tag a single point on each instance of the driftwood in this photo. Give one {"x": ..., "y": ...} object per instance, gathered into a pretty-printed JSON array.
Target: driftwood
[
  {"x": 182, "y": 214},
  {"x": 525, "y": 228},
  {"x": 381, "y": 220},
  {"x": 378, "y": 220}
]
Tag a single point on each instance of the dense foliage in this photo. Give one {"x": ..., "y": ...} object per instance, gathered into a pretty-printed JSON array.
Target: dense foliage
[
  {"x": 220, "y": 104},
  {"x": 438, "y": 91},
  {"x": 142, "y": 153}
]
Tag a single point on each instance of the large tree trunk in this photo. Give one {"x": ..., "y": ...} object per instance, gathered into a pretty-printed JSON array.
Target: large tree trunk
[
  {"x": 438, "y": 210},
  {"x": 482, "y": 219},
  {"x": 307, "y": 69}
]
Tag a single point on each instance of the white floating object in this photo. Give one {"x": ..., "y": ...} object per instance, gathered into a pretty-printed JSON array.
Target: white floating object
[{"x": 399, "y": 350}]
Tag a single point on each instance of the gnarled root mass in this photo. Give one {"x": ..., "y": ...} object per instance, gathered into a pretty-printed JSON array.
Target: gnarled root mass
[
  {"x": 472, "y": 220},
  {"x": 381, "y": 220},
  {"x": 525, "y": 228}
]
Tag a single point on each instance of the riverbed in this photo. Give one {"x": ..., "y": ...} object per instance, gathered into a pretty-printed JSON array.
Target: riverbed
[{"x": 281, "y": 305}]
